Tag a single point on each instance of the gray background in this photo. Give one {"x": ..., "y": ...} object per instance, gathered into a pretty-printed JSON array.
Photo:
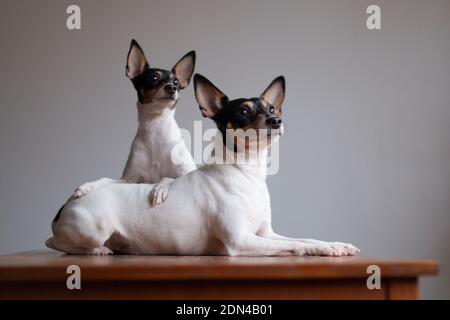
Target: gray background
[{"x": 366, "y": 155}]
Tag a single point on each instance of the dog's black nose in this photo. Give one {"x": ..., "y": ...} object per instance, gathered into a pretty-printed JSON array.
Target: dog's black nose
[
  {"x": 275, "y": 123},
  {"x": 170, "y": 88}
]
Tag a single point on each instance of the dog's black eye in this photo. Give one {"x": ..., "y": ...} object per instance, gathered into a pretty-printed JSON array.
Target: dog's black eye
[
  {"x": 175, "y": 81},
  {"x": 243, "y": 111},
  {"x": 155, "y": 76},
  {"x": 271, "y": 109}
]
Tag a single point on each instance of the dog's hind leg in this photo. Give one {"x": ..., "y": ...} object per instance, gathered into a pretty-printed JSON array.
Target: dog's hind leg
[
  {"x": 76, "y": 233},
  {"x": 54, "y": 244},
  {"x": 344, "y": 249},
  {"x": 252, "y": 245},
  {"x": 100, "y": 251}
]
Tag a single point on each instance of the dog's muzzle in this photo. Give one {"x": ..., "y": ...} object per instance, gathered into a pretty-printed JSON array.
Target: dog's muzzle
[{"x": 274, "y": 122}]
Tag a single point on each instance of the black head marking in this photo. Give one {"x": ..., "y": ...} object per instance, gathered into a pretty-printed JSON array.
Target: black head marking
[
  {"x": 147, "y": 80},
  {"x": 151, "y": 78},
  {"x": 243, "y": 113}
]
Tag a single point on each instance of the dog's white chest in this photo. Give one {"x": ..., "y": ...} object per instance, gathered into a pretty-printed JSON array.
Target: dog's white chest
[{"x": 151, "y": 155}]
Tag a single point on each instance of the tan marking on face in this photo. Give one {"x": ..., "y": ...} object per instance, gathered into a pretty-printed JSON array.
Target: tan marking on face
[
  {"x": 148, "y": 96},
  {"x": 157, "y": 72},
  {"x": 251, "y": 146},
  {"x": 259, "y": 120},
  {"x": 249, "y": 105},
  {"x": 277, "y": 112},
  {"x": 258, "y": 123}
]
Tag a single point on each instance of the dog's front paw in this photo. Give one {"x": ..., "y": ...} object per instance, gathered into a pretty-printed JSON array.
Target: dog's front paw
[
  {"x": 346, "y": 249},
  {"x": 332, "y": 249},
  {"x": 336, "y": 249},
  {"x": 159, "y": 194},
  {"x": 83, "y": 190},
  {"x": 101, "y": 251},
  {"x": 327, "y": 250},
  {"x": 317, "y": 250}
]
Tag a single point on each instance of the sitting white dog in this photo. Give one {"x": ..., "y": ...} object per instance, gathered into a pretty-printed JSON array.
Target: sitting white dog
[
  {"x": 218, "y": 209},
  {"x": 150, "y": 159}
]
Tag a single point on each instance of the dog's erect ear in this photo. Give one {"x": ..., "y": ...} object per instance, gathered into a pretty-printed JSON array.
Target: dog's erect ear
[
  {"x": 184, "y": 69},
  {"x": 136, "y": 61},
  {"x": 209, "y": 98},
  {"x": 274, "y": 94}
]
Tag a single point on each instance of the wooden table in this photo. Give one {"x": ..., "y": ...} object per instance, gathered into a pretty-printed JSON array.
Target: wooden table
[{"x": 42, "y": 275}]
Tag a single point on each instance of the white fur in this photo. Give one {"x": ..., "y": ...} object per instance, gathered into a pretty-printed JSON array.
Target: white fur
[{"x": 215, "y": 210}]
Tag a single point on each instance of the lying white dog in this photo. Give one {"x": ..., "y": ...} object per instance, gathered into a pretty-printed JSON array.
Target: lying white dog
[{"x": 218, "y": 209}]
